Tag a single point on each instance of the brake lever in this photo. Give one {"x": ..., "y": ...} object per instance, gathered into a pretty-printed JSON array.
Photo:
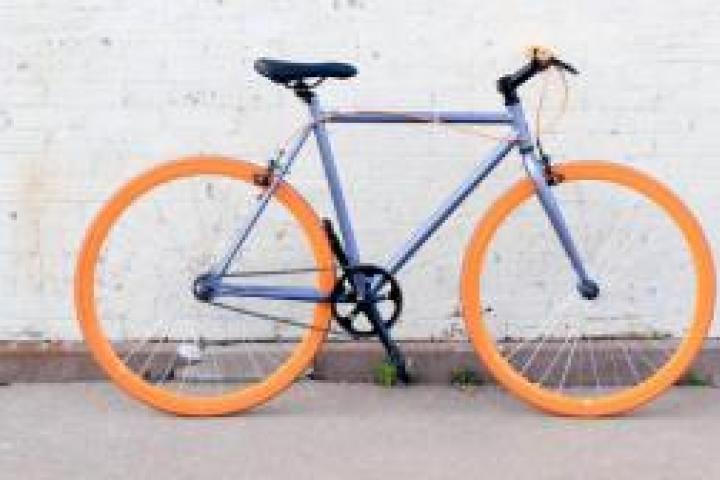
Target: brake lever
[{"x": 556, "y": 62}]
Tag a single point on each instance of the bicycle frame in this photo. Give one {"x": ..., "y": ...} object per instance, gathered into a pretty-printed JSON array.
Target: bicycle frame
[{"x": 513, "y": 117}]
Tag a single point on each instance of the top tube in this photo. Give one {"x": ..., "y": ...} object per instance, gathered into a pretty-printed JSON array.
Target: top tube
[{"x": 468, "y": 118}]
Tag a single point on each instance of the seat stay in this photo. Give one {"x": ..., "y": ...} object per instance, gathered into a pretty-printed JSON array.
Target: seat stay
[{"x": 243, "y": 231}]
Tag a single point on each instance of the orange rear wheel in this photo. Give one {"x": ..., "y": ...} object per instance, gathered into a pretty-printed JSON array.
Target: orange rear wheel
[
  {"x": 134, "y": 279},
  {"x": 571, "y": 356}
]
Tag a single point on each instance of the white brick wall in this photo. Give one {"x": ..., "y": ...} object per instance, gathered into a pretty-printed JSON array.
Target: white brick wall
[{"x": 92, "y": 92}]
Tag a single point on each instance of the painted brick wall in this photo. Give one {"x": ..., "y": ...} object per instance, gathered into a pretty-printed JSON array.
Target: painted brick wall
[{"x": 92, "y": 92}]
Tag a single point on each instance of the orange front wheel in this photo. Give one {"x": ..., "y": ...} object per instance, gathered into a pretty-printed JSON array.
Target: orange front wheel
[
  {"x": 559, "y": 351},
  {"x": 135, "y": 277}
]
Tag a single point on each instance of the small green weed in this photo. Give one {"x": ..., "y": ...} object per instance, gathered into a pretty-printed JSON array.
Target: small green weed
[
  {"x": 464, "y": 377},
  {"x": 386, "y": 374},
  {"x": 694, "y": 379}
]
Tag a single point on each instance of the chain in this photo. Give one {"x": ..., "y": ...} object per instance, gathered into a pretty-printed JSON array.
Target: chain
[{"x": 274, "y": 318}]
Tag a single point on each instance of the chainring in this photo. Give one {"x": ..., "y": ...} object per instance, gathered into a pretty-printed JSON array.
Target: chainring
[{"x": 347, "y": 303}]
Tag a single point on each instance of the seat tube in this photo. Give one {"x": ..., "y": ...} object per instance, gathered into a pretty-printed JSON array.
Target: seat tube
[
  {"x": 535, "y": 170},
  {"x": 333, "y": 180}
]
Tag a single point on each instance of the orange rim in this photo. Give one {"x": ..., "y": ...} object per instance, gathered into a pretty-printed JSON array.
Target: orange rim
[
  {"x": 100, "y": 346},
  {"x": 639, "y": 394}
]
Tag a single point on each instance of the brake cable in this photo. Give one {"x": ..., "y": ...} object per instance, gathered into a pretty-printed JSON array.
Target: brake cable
[
  {"x": 466, "y": 130},
  {"x": 462, "y": 129},
  {"x": 540, "y": 128}
]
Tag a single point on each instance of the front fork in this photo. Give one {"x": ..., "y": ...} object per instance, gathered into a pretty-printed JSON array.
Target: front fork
[{"x": 543, "y": 179}]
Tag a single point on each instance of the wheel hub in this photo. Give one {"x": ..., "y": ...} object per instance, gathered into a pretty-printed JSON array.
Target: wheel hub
[
  {"x": 588, "y": 289},
  {"x": 203, "y": 287}
]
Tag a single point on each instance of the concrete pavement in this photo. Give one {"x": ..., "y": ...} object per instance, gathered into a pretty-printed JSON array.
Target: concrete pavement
[
  {"x": 352, "y": 431},
  {"x": 355, "y": 361}
]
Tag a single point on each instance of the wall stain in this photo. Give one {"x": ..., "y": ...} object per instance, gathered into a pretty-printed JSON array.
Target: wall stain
[
  {"x": 340, "y": 4},
  {"x": 33, "y": 202},
  {"x": 6, "y": 121}
]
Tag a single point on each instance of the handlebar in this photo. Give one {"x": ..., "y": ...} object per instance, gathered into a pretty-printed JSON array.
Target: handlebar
[{"x": 540, "y": 61}]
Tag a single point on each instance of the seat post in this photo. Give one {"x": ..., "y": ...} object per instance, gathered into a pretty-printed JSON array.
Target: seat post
[{"x": 303, "y": 92}]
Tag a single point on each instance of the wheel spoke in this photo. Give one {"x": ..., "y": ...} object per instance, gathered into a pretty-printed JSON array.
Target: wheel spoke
[
  {"x": 153, "y": 240},
  {"x": 651, "y": 271}
]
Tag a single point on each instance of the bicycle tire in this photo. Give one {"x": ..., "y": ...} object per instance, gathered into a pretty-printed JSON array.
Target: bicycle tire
[
  {"x": 560, "y": 401},
  {"x": 98, "y": 340}
]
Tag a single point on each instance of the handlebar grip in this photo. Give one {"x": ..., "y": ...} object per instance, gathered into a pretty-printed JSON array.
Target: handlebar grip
[{"x": 508, "y": 84}]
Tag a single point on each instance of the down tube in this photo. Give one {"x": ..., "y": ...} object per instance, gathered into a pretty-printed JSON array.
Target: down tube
[{"x": 442, "y": 213}]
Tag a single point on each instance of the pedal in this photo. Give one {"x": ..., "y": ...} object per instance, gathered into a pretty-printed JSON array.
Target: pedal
[{"x": 188, "y": 354}]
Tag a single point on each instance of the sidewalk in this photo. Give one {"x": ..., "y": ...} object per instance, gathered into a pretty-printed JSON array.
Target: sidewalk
[
  {"x": 430, "y": 362},
  {"x": 352, "y": 431}
]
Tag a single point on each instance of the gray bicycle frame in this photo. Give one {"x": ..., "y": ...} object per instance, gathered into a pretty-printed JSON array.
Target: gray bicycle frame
[{"x": 513, "y": 117}]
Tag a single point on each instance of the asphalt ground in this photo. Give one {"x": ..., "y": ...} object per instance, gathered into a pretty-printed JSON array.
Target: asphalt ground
[{"x": 352, "y": 431}]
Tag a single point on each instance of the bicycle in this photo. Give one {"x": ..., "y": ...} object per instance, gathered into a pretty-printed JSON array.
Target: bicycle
[{"x": 614, "y": 301}]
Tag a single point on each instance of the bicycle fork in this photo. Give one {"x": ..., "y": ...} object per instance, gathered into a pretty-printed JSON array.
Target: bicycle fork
[{"x": 536, "y": 170}]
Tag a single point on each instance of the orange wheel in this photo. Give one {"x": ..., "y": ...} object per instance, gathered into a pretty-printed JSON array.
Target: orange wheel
[
  {"x": 571, "y": 356},
  {"x": 134, "y": 288}
]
